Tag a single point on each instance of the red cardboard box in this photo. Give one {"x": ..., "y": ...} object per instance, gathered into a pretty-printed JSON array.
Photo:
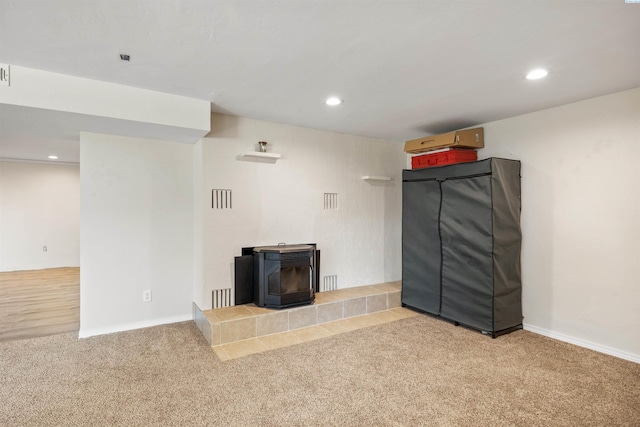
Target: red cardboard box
[{"x": 442, "y": 158}]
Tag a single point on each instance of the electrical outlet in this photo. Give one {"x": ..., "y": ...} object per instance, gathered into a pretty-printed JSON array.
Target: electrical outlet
[
  {"x": 146, "y": 295},
  {"x": 44, "y": 249}
]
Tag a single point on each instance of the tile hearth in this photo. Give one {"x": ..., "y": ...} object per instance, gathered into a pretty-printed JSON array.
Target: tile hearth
[{"x": 246, "y": 329}]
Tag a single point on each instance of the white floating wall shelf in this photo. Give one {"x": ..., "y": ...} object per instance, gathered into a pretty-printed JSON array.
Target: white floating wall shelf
[
  {"x": 376, "y": 178},
  {"x": 260, "y": 155}
]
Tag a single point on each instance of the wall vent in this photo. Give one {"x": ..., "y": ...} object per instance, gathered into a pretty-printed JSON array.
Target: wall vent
[
  {"x": 221, "y": 199},
  {"x": 329, "y": 283},
  {"x": 331, "y": 201},
  {"x": 4, "y": 74},
  {"x": 221, "y": 298}
]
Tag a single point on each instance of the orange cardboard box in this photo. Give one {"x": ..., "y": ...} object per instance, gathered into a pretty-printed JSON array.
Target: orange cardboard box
[{"x": 469, "y": 138}]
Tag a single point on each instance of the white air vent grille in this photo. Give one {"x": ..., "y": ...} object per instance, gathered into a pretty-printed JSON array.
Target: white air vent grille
[
  {"x": 331, "y": 201},
  {"x": 221, "y": 199},
  {"x": 329, "y": 283},
  {"x": 221, "y": 298}
]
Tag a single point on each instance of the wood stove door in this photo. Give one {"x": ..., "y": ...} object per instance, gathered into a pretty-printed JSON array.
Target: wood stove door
[
  {"x": 290, "y": 279},
  {"x": 289, "y": 282}
]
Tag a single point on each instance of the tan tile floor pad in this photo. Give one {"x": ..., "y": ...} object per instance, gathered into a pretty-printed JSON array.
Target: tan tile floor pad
[{"x": 243, "y": 348}]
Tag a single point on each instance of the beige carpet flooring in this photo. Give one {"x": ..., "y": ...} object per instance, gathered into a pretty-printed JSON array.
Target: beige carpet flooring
[{"x": 412, "y": 372}]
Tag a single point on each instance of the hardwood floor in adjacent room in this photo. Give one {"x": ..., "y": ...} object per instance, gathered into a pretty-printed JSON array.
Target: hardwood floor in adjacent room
[{"x": 39, "y": 302}]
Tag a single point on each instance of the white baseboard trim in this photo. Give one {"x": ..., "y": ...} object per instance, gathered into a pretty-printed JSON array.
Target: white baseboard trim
[
  {"x": 583, "y": 343},
  {"x": 86, "y": 333}
]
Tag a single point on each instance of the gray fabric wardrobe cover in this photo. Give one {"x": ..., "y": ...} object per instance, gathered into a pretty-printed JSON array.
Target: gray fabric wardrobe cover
[{"x": 461, "y": 243}]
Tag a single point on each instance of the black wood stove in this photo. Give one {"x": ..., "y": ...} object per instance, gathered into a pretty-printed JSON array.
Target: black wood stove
[{"x": 277, "y": 276}]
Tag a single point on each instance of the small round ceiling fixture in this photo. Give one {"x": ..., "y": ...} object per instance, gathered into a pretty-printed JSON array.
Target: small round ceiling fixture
[
  {"x": 53, "y": 157},
  {"x": 536, "y": 74},
  {"x": 333, "y": 100}
]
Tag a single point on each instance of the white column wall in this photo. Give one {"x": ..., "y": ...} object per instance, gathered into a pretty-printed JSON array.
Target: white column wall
[
  {"x": 580, "y": 219},
  {"x": 198, "y": 226},
  {"x": 52, "y": 91},
  {"x": 39, "y": 206},
  {"x": 136, "y": 232},
  {"x": 282, "y": 201}
]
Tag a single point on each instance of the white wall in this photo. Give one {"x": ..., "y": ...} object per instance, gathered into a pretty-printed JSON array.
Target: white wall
[
  {"x": 137, "y": 232},
  {"x": 39, "y": 206},
  {"x": 580, "y": 219},
  {"x": 581, "y": 204},
  {"x": 283, "y": 201}
]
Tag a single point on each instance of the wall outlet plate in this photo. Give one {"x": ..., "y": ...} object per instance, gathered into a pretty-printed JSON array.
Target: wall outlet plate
[{"x": 146, "y": 295}]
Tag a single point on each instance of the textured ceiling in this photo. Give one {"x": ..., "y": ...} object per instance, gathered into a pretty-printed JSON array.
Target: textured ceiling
[{"x": 404, "y": 68}]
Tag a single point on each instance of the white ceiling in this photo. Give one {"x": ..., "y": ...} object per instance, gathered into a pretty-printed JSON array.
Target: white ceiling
[{"x": 404, "y": 68}]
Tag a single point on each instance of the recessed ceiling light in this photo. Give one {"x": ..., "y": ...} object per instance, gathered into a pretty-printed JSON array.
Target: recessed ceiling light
[
  {"x": 53, "y": 157},
  {"x": 333, "y": 101},
  {"x": 536, "y": 74}
]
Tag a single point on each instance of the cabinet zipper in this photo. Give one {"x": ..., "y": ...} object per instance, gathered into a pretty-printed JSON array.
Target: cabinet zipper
[
  {"x": 440, "y": 179},
  {"x": 441, "y": 249}
]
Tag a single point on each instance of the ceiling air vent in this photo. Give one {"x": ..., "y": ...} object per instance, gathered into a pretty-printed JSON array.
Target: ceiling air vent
[{"x": 4, "y": 74}]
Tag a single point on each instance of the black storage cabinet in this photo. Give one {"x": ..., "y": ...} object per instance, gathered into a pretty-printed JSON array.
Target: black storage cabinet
[{"x": 461, "y": 242}]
